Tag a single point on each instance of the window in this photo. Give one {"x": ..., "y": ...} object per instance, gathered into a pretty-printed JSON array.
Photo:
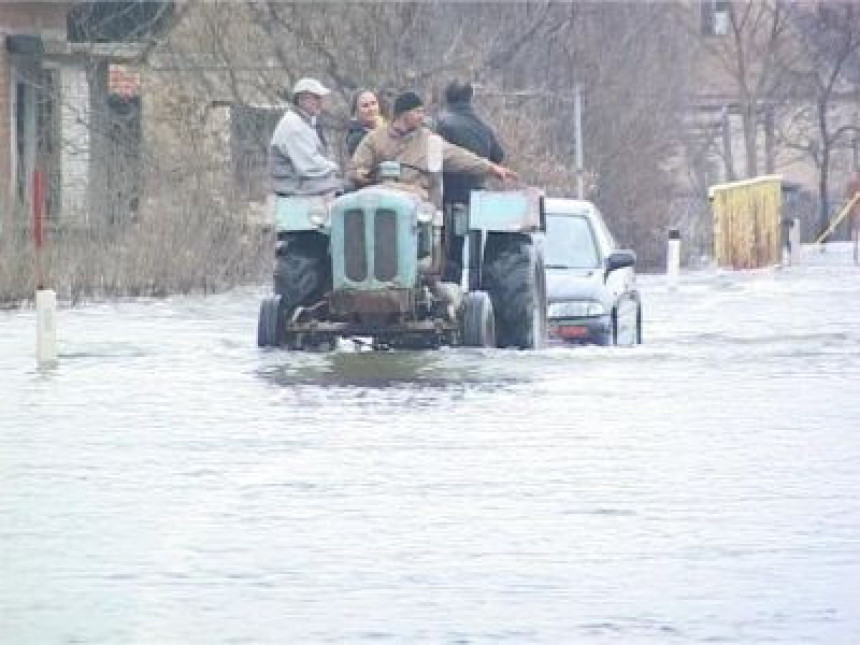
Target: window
[
  {"x": 715, "y": 17},
  {"x": 570, "y": 243},
  {"x": 251, "y": 129},
  {"x": 36, "y": 135},
  {"x": 106, "y": 21}
]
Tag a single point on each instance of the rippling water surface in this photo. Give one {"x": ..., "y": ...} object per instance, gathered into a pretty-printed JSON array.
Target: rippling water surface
[{"x": 171, "y": 483}]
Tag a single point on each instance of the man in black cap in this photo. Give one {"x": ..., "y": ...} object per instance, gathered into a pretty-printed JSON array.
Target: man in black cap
[
  {"x": 405, "y": 140},
  {"x": 458, "y": 124}
]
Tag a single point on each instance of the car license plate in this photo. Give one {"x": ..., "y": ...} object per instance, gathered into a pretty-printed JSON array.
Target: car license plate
[{"x": 572, "y": 331}]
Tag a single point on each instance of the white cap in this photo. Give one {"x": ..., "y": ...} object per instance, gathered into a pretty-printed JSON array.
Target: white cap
[{"x": 311, "y": 86}]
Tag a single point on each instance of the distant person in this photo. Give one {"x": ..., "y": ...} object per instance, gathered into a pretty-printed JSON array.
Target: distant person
[
  {"x": 298, "y": 157},
  {"x": 405, "y": 140},
  {"x": 366, "y": 116},
  {"x": 458, "y": 124}
]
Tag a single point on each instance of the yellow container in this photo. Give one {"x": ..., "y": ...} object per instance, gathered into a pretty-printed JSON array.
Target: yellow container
[{"x": 747, "y": 222}]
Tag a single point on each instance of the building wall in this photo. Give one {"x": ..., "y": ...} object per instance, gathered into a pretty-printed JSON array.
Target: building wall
[
  {"x": 76, "y": 113},
  {"x": 47, "y": 18},
  {"x": 26, "y": 17}
]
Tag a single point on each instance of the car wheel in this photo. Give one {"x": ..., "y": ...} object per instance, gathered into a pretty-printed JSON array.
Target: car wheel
[
  {"x": 613, "y": 332},
  {"x": 610, "y": 336}
]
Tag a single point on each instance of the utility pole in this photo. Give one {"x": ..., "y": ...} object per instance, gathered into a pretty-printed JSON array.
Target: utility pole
[
  {"x": 769, "y": 161},
  {"x": 577, "y": 116},
  {"x": 577, "y": 124},
  {"x": 855, "y": 153}
]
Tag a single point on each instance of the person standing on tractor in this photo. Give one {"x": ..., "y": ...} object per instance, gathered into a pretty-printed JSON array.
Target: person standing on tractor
[
  {"x": 406, "y": 141},
  {"x": 458, "y": 124},
  {"x": 298, "y": 159}
]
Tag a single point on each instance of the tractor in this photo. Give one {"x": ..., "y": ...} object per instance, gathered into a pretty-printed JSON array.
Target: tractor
[{"x": 367, "y": 264}]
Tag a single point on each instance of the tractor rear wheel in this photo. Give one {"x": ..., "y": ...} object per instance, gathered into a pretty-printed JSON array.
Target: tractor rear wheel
[
  {"x": 302, "y": 270},
  {"x": 514, "y": 276}
]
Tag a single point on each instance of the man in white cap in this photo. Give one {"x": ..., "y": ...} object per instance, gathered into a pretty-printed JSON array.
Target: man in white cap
[{"x": 298, "y": 160}]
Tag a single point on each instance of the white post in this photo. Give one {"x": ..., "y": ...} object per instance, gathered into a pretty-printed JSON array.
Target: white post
[
  {"x": 856, "y": 235},
  {"x": 673, "y": 258},
  {"x": 46, "y": 327},
  {"x": 794, "y": 242},
  {"x": 577, "y": 116}
]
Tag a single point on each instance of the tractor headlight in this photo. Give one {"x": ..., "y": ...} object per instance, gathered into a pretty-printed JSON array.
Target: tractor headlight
[
  {"x": 426, "y": 211},
  {"x": 575, "y": 309},
  {"x": 318, "y": 215}
]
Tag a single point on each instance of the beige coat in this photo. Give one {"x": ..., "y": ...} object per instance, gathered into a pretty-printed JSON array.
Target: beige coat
[{"x": 387, "y": 144}]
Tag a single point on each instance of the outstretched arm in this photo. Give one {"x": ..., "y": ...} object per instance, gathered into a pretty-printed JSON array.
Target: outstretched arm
[
  {"x": 362, "y": 163},
  {"x": 503, "y": 172},
  {"x": 459, "y": 159}
]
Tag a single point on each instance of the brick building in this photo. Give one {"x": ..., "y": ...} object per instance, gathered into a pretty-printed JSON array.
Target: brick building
[{"x": 70, "y": 104}]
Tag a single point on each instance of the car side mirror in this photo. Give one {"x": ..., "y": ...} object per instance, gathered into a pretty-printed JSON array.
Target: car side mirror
[{"x": 619, "y": 260}]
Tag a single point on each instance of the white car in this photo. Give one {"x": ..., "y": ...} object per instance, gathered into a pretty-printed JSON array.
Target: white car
[{"x": 591, "y": 284}]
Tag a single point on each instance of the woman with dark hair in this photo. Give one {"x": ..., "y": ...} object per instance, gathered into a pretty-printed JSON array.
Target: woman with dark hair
[{"x": 366, "y": 116}]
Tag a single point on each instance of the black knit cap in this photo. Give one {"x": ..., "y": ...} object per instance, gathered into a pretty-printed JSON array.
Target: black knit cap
[{"x": 405, "y": 102}]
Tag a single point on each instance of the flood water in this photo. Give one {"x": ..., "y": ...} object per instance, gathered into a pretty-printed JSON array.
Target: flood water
[{"x": 169, "y": 482}]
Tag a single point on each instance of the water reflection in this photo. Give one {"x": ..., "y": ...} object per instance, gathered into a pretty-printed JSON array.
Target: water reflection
[
  {"x": 170, "y": 479},
  {"x": 386, "y": 369}
]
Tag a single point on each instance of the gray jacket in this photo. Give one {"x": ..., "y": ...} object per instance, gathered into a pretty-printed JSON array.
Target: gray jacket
[{"x": 298, "y": 162}]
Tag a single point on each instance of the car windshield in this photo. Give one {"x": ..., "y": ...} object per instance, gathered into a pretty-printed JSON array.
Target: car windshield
[{"x": 570, "y": 243}]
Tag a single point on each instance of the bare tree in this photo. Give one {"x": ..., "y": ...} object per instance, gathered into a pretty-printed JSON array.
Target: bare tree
[
  {"x": 638, "y": 65},
  {"x": 822, "y": 79},
  {"x": 633, "y": 65},
  {"x": 746, "y": 66}
]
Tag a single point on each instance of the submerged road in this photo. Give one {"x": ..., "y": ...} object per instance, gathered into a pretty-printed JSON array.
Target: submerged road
[{"x": 169, "y": 482}]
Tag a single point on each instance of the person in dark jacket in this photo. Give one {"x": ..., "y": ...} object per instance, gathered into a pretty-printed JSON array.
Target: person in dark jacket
[
  {"x": 458, "y": 124},
  {"x": 407, "y": 141},
  {"x": 366, "y": 116}
]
